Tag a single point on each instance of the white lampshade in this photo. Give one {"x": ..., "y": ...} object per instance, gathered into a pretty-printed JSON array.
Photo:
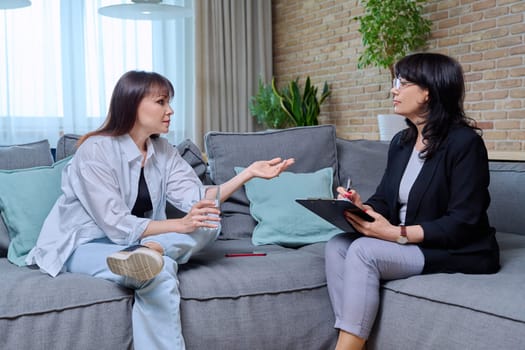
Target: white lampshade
[
  {"x": 145, "y": 10},
  {"x": 14, "y": 4}
]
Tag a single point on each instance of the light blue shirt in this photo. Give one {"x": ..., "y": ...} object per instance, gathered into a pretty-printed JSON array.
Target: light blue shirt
[{"x": 100, "y": 186}]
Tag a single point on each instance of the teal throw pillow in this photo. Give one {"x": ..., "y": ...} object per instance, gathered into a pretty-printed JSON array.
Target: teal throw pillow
[
  {"x": 280, "y": 219},
  {"x": 26, "y": 198}
]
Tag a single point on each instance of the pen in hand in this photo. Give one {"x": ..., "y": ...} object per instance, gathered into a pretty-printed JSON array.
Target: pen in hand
[{"x": 348, "y": 188}]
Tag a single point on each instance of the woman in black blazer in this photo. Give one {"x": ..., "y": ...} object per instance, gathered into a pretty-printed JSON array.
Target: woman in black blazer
[{"x": 430, "y": 208}]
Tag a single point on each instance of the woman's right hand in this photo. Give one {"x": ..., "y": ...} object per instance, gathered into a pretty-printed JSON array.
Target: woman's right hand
[
  {"x": 351, "y": 195},
  {"x": 198, "y": 217},
  {"x": 203, "y": 214}
]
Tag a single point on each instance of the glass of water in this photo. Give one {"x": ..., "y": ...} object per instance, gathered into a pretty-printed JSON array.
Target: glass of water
[{"x": 213, "y": 193}]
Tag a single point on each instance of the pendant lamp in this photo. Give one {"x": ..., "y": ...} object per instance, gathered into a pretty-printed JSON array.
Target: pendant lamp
[
  {"x": 14, "y": 4},
  {"x": 145, "y": 10}
]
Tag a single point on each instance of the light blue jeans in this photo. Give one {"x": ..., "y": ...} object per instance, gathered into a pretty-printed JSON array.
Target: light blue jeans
[
  {"x": 355, "y": 266},
  {"x": 156, "y": 313}
]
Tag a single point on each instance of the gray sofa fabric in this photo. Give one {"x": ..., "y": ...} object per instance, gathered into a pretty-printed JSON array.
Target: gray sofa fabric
[
  {"x": 72, "y": 311},
  {"x": 280, "y": 301},
  {"x": 26, "y": 155},
  {"x": 312, "y": 148},
  {"x": 362, "y": 161},
  {"x": 256, "y": 302},
  {"x": 464, "y": 311},
  {"x": 507, "y": 192},
  {"x": 66, "y": 146}
]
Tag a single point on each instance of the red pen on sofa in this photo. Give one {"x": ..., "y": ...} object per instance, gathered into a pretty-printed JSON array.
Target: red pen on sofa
[{"x": 241, "y": 254}]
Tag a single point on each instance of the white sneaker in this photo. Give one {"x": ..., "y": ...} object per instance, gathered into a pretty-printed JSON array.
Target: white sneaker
[{"x": 138, "y": 262}]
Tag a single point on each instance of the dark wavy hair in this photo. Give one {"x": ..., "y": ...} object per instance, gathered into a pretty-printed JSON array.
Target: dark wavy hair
[
  {"x": 442, "y": 76},
  {"x": 130, "y": 89}
]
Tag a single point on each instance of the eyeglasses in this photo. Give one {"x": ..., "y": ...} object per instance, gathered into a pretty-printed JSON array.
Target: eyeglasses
[{"x": 399, "y": 84}]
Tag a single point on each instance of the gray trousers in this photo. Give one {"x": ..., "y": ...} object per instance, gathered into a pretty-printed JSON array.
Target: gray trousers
[{"x": 355, "y": 266}]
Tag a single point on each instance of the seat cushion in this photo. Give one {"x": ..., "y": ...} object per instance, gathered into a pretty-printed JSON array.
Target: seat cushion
[
  {"x": 270, "y": 300},
  {"x": 313, "y": 148},
  {"x": 63, "y": 312},
  {"x": 488, "y": 311},
  {"x": 210, "y": 274}
]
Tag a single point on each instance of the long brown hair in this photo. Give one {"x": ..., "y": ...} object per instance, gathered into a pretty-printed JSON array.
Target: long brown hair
[{"x": 130, "y": 89}]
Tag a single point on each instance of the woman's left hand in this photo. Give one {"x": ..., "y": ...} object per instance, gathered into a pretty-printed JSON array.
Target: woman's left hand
[
  {"x": 268, "y": 169},
  {"x": 380, "y": 228}
]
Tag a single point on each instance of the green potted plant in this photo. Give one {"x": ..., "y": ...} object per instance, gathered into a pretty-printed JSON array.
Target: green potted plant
[
  {"x": 302, "y": 108},
  {"x": 266, "y": 107},
  {"x": 390, "y": 30}
]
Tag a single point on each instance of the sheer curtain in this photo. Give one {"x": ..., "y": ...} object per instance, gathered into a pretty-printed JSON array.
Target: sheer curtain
[
  {"x": 60, "y": 60},
  {"x": 233, "y": 49}
]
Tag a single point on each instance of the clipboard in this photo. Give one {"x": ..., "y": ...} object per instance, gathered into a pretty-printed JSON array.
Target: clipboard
[{"x": 332, "y": 211}]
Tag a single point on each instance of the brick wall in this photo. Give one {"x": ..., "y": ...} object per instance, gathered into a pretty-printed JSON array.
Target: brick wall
[{"x": 320, "y": 38}]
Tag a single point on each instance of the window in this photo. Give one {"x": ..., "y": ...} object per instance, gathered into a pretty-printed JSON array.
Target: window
[{"x": 60, "y": 60}]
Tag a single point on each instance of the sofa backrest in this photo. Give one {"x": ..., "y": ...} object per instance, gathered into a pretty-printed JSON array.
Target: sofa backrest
[
  {"x": 507, "y": 194},
  {"x": 364, "y": 161},
  {"x": 312, "y": 147}
]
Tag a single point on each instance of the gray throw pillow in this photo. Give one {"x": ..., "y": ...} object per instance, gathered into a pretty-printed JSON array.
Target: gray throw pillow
[
  {"x": 193, "y": 155},
  {"x": 312, "y": 147},
  {"x": 66, "y": 146},
  {"x": 25, "y": 155}
]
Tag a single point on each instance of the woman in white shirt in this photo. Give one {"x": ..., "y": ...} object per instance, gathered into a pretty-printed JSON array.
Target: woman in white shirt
[{"x": 110, "y": 221}]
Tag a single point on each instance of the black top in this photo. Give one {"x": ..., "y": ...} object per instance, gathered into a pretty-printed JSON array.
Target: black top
[{"x": 143, "y": 201}]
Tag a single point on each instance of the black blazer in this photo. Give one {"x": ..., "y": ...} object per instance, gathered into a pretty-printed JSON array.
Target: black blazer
[{"x": 449, "y": 199}]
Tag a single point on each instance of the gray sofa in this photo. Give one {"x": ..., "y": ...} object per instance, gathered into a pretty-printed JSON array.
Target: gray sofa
[{"x": 278, "y": 301}]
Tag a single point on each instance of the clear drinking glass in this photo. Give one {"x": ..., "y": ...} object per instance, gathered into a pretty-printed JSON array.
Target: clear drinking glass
[{"x": 213, "y": 193}]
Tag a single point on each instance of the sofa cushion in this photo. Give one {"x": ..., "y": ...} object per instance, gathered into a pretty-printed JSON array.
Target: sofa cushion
[
  {"x": 477, "y": 292},
  {"x": 26, "y": 197},
  {"x": 280, "y": 219},
  {"x": 25, "y": 155},
  {"x": 364, "y": 161},
  {"x": 66, "y": 146},
  {"x": 473, "y": 311},
  {"x": 70, "y": 311},
  {"x": 312, "y": 147},
  {"x": 254, "y": 300},
  {"x": 193, "y": 155},
  {"x": 507, "y": 192},
  {"x": 17, "y": 157}
]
